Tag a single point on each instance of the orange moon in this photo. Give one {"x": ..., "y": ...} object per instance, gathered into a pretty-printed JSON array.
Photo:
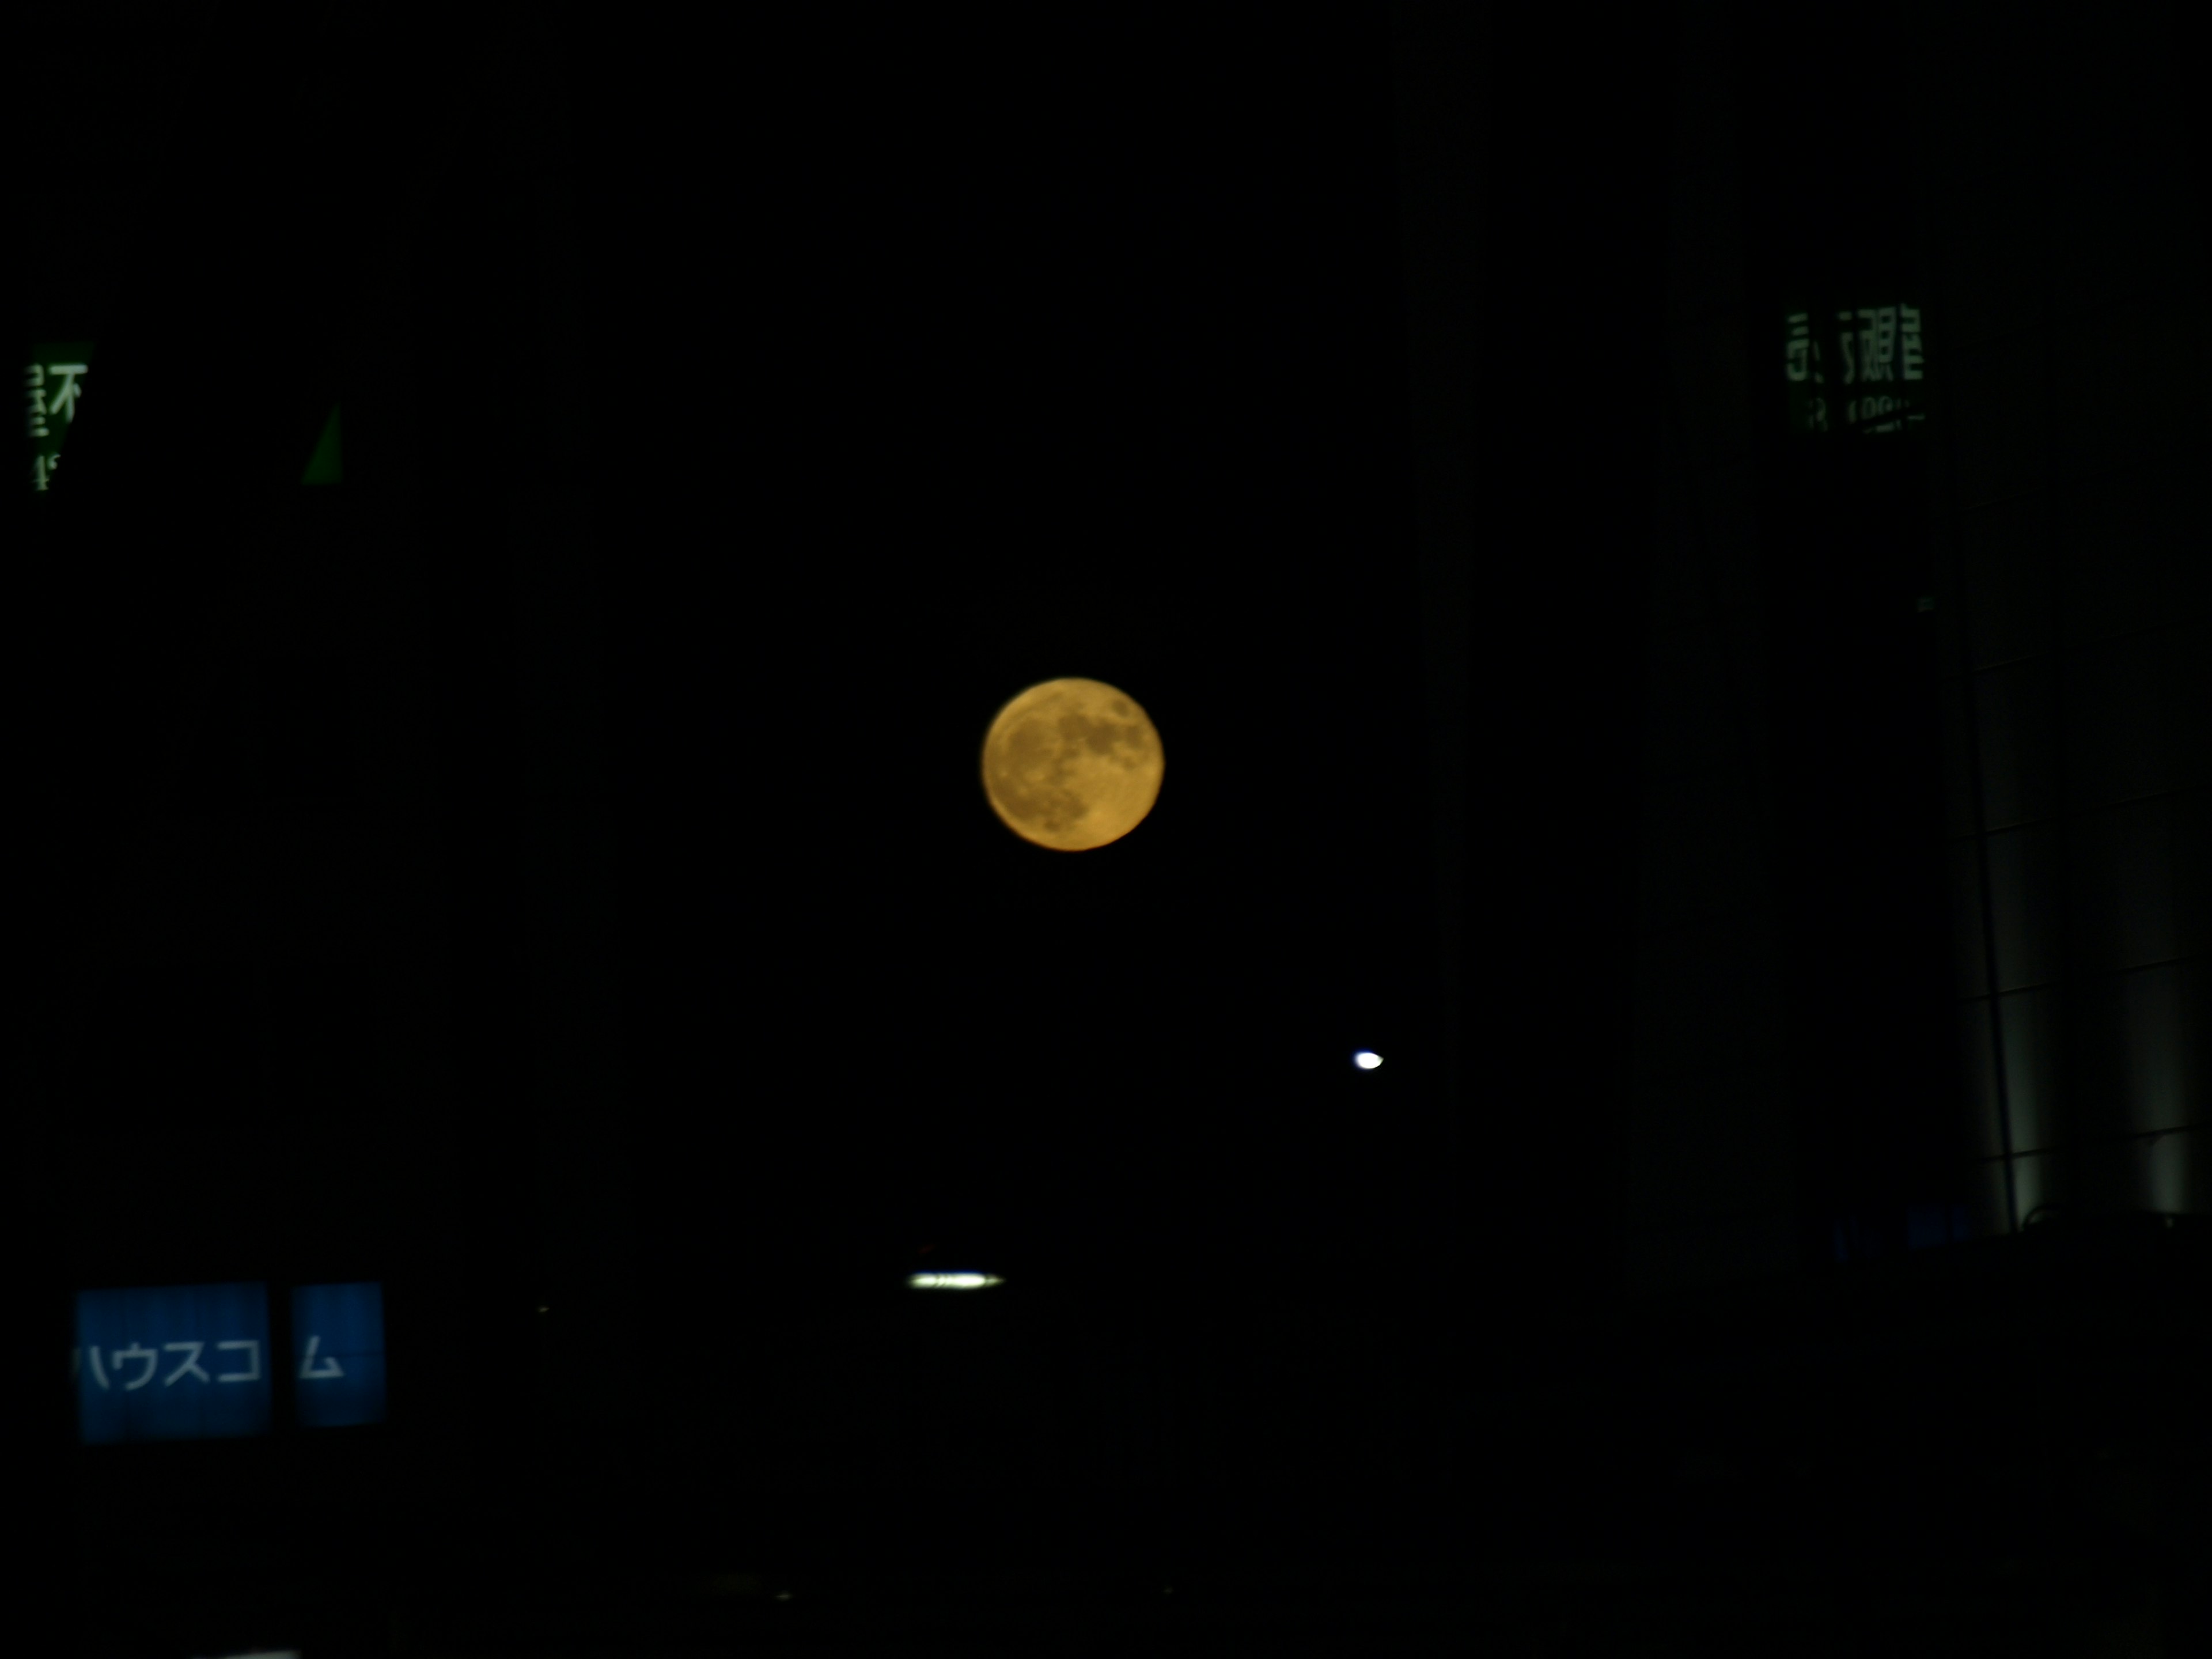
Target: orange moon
[{"x": 1072, "y": 764}]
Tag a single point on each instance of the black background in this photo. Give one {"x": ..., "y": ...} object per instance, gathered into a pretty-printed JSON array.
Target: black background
[
  {"x": 918, "y": 369},
  {"x": 1074, "y": 362}
]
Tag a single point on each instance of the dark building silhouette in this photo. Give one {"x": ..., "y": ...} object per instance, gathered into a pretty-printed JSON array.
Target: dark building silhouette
[{"x": 1814, "y": 601}]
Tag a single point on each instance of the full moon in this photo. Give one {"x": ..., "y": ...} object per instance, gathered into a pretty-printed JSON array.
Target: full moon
[{"x": 1072, "y": 764}]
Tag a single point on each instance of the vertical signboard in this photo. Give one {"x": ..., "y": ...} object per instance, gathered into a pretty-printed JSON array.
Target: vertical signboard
[
  {"x": 53, "y": 382},
  {"x": 1854, "y": 368}
]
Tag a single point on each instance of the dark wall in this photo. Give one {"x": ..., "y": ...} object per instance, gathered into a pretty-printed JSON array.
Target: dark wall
[
  {"x": 1575, "y": 146},
  {"x": 1831, "y": 223},
  {"x": 189, "y": 223}
]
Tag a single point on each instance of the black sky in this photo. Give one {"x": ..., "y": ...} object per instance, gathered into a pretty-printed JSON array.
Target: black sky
[
  {"x": 920, "y": 361},
  {"x": 920, "y": 366},
  {"x": 995, "y": 366}
]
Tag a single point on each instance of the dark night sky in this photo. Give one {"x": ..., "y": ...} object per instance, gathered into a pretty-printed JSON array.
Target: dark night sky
[
  {"x": 921, "y": 363},
  {"x": 973, "y": 378},
  {"x": 913, "y": 381}
]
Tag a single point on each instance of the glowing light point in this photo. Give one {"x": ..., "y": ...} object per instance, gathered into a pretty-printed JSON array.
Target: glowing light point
[{"x": 1367, "y": 1059}]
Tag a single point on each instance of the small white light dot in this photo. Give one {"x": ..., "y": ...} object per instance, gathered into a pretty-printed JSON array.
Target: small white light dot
[{"x": 1367, "y": 1059}]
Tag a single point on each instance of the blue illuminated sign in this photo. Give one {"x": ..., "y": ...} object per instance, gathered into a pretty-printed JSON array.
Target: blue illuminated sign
[
  {"x": 338, "y": 1341},
  {"x": 193, "y": 1362},
  {"x": 176, "y": 1362}
]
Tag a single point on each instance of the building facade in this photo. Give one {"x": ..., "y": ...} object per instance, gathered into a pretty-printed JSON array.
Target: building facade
[{"x": 1991, "y": 628}]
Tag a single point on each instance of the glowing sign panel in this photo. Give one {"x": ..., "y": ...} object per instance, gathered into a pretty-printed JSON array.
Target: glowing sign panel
[
  {"x": 338, "y": 1340},
  {"x": 54, "y": 382},
  {"x": 193, "y": 1362},
  {"x": 179, "y": 1362},
  {"x": 1854, "y": 368}
]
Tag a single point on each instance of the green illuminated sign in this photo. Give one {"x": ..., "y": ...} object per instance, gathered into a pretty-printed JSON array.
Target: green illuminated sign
[
  {"x": 54, "y": 382},
  {"x": 1857, "y": 370}
]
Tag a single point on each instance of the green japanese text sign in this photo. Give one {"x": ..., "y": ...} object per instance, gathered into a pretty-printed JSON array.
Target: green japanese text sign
[
  {"x": 1854, "y": 368},
  {"x": 53, "y": 382}
]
